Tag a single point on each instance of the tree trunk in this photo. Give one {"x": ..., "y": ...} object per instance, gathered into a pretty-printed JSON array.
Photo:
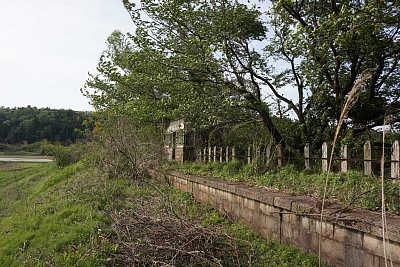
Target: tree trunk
[{"x": 266, "y": 118}]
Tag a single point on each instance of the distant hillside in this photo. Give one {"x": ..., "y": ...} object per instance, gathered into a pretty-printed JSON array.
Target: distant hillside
[{"x": 30, "y": 124}]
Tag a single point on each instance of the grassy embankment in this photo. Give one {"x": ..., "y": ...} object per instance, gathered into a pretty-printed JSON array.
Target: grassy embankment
[
  {"x": 50, "y": 216},
  {"x": 77, "y": 217},
  {"x": 352, "y": 188}
]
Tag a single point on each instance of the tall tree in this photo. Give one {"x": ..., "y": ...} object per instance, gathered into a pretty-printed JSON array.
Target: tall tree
[
  {"x": 210, "y": 59},
  {"x": 207, "y": 60},
  {"x": 329, "y": 44}
]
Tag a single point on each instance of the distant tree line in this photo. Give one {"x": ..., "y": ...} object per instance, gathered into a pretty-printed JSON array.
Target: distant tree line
[{"x": 31, "y": 124}]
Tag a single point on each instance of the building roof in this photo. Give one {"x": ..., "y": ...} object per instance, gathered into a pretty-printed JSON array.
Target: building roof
[{"x": 175, "y": 126}]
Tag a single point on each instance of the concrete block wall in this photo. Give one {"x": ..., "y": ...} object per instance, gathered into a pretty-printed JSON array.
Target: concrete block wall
[{"x": 346, "y": 238}]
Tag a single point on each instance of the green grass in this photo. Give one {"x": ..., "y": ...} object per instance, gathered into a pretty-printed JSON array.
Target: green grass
[
  {"x": 234, "y": 244},
  {"x": 263, "y": 252},
  {"x": 351, "y": 188},
  {"x": 58, "y": 217},
  {"x": 51, "y": 217}
]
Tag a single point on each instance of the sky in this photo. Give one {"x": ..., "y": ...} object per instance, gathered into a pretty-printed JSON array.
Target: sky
[{"x": 48, "y": 47}]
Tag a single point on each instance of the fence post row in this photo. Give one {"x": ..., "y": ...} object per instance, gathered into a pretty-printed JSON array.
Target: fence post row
[{"x": 215, "y": 154}]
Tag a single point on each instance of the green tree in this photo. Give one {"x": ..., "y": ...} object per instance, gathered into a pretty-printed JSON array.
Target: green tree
[
  {"x": 142, "y": 84},
  {"x": 30, "y": 124},
  {"x": 192, "y": 52},
  {"x": 213, "y": 61},
  {"x": 329, "y": 44}
]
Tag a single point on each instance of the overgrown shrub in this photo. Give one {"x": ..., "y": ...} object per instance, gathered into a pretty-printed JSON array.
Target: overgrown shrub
[
  {"x": 127, "y": 148},
  {"x": 232, "y": 167},
  {"x": 257, "y": 167},
  {"x": 64, "y": 155}
]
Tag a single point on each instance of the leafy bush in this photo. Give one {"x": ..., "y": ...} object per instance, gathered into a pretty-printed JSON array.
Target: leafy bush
[
  {"x": 232, "y": 167},
  {"x": 257, "y": 167},
  {"x": 64, "y": 155}
]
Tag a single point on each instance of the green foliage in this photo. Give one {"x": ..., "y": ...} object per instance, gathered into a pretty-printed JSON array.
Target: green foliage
[
  {"x": 50, "y": 216},
  {"x": 201, "y": 83},
  {"x": 61, "y": 176},
  {"x": 214, "y": 218},
  {"x": 213, "y": 63},
  {"x": 64, "y": 155},
  {"x": 351, "y": 188},
  {"x": 34, "y": 148},
  {"x": 30, "y": 124},
  {"x": 263, "y": 252},
  {"x": 232, "y": 167},
  {"x": 57, "y": 217},
  {"x": 353, "y": 38},
  {"x": 257, "y": 167},
  {"x": 242, "y": 134}
]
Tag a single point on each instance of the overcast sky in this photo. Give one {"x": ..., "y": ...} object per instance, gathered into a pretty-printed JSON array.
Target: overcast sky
[{"x": 47, "y": 48}]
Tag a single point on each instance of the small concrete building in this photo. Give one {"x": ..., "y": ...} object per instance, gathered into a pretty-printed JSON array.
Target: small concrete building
[{"x": 179, "y": 142}]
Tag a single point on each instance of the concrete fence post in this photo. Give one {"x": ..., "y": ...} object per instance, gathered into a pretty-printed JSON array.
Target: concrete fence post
[
  {"x": 307, "y": 155},
  {"x": 215, "y": 153},
  {"x": 205, "y": 154},
  {"x": 279, "y": 152},
  {"x": 220, "y": 154},
  {"x": 248, "y": 154},
  {"x": 368, "y": 158},
  {"x": 268, "y": 149},
  {"x": 258, "y": 152},
  {"x": 325, "y": 153},
  {"x": 227, "y": 154},
  {"x": 209, "y": 153},
  {"x": 344, "y": 164},
  {"x": 233, "y": 153},
  {"x": 199, "y": 156},
  {"x": 395, "y": 158}
]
